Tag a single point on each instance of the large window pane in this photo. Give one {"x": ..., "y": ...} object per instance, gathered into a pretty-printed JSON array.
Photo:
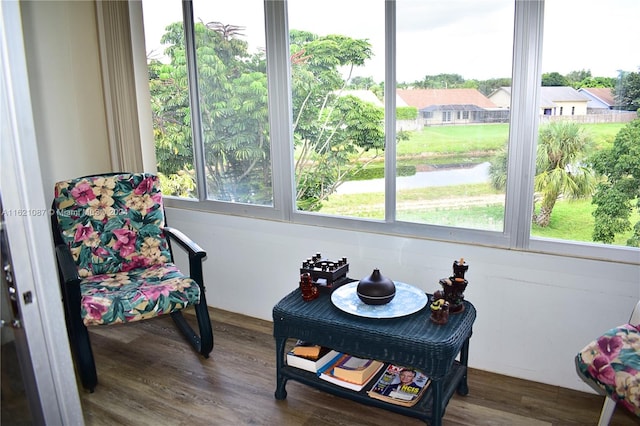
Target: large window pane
[
  {"x": 453, "y": 58},
  {"x": 586, "y": 157},
  {"x": 166, "y": 61},
  {"x": 232, "y": 91},
  {"x": 231, "y": 64},
  {"x": 337, "y": 67}
]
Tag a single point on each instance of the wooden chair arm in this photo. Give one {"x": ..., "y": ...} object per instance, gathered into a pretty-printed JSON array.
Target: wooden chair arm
[
  {"x": 67, "y": 267},
  {"x": 194, "y": 250},
  {"x": 196, "y": 253}
]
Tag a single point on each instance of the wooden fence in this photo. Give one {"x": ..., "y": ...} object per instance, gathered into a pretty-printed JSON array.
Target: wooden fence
[{"x": 613, "y": 117}]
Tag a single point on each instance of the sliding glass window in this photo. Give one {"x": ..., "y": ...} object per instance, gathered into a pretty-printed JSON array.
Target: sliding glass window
[
  {"x": 453, "y": 60},
  {"x": 588, "y": 154},
  {"x": 225, "y": 121},
  {"x": 495, "y": 122},
  {"x": 337, "y": 86}
]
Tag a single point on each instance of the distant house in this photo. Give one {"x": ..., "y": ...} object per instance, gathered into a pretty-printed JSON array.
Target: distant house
[
  {"x": 362, "y": 94},
  {"x": 600, "y": 99},
  {"x": 501, "y": 97},
  {"x": 554, "y": 100},
  {"x": 452, "y": 106}
]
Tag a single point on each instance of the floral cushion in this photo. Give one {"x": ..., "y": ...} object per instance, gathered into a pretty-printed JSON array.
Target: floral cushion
[
  {"x": 112, "y": 223},
  {"x": 113, "y": 227},
  {"x": 136, "y": 294},
  {"x": 613, "y": 363}
]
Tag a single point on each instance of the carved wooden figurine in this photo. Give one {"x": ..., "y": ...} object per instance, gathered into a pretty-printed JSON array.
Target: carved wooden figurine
[
  {"x": 309, "y": 291},
  {"x": 440, "y": 311}
]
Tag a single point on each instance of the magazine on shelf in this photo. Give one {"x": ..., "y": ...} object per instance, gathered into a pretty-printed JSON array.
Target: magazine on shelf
[
  {"x": 327, "y": 373},
  {"x": 313, "y": 360},
  {"x": 400, "y": 386},
  {"x": 356, "y": 370}
]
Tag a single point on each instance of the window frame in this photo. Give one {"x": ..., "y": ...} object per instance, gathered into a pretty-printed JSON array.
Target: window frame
[{"x": 525, "y": 101}]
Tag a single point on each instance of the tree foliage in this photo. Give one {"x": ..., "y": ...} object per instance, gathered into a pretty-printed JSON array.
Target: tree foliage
[
  {"x": 232, "y": 83},
  {"x": 554, "y": 79},
  {"x": 618, "y": 193},
  {"x": 627, "y": 91},
  {"x": 331, "y": 132},
  {"x": 560, "y": 168}
]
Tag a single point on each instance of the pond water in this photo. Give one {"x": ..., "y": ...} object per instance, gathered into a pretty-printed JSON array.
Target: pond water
[{"x": 443, "y": 177}]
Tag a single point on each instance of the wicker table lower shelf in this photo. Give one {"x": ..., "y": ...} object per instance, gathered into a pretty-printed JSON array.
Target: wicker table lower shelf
[{"x": 411, "y": 341}]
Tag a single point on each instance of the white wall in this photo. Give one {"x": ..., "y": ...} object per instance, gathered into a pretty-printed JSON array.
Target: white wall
[
  {"x": 61, "y": 44},
  {"x": 535, "y": 312}
]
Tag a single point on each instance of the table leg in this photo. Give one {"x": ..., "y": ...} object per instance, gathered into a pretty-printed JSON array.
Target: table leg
[
  {"x": 463, "y": 387},
  {"x": 281, "y": 381},
  {"x": 436, "y": 407}
]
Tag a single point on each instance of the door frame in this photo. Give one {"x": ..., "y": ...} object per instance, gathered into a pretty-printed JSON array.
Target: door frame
[{"x": 42, "y": 338}]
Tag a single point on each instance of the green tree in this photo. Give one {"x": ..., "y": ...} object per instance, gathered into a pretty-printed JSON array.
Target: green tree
[
  {"x": 554, "y": 79},
  {"x": 618, "y": 193},
  {"x": 609, "y": 82},
  {"x": 487, "y": 87},
  {"x": 364, "y": 83},
  {"x": 332, "y": 132},
  {"x": 232, "y": 83},
  {"x": 627, "y": 91},
  {"x": 498, "y": 169},
  {"x": 560, "y": 169},
  {"x": 406, "y": 113},
  {"x": 171, "y": 116},
  {"x": 574, "y": 78},
  {"x": 440, "y": 81}
]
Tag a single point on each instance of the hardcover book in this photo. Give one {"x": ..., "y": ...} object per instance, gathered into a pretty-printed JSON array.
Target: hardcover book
[
  {"x": 327, "y": 373},
  {"x": 312, "y": 363},
  {"x": 400, "y": 386},
  {"x": 356, "y": 370},
  {"x": 307, "y": 350}
]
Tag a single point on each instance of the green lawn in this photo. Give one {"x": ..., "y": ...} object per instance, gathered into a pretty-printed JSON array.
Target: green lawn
[
  {"x": 438, "y": 140},
  {"x": 571, "y": 220},
  {"x": 477, "y": 138}
]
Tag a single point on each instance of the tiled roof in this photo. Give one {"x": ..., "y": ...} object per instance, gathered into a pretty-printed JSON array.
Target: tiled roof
[
  {"x": 604, "y": 94},
  {"x": 422, "y": 98}
]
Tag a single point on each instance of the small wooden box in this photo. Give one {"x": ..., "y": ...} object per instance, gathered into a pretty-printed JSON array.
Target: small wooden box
[{"x": 326, "y": 274}]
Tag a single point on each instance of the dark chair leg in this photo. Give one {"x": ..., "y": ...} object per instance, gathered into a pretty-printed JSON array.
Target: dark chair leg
[
  {"x": 204, "y": 323},
  {"x": 79, "y": 339},
  {"x": 202, "y": 343},
  {"x": 84, "y": 356}
]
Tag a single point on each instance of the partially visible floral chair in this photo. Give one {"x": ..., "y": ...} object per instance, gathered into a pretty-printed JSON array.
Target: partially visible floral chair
[
  {"x": 611, "y": 364},
  {"x": 115, "y": 262}
]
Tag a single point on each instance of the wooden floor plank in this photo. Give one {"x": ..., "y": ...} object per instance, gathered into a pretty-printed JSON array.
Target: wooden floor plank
[{"x": 149, "y": 375}]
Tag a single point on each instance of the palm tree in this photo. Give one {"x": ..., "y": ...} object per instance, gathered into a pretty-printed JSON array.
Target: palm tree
[{"x": 560, "y": 171}]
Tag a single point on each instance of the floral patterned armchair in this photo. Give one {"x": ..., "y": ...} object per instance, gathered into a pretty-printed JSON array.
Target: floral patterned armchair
[
  {"x": 611, "y": 364},
  {"x": 115, "y": 262}
]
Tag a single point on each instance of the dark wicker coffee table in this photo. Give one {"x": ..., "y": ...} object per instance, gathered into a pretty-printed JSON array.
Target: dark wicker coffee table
[{"x": 409, "y": 341}]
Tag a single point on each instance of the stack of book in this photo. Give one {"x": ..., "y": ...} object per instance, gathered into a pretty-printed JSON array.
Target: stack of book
[
  {"x": 350, "y": 372},
  {"x": 396, "y": 385},
  {"x": 310, "y": 357}
]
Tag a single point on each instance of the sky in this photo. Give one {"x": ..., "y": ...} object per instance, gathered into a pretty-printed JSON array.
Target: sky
[{"x": 472, "y": 38}]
